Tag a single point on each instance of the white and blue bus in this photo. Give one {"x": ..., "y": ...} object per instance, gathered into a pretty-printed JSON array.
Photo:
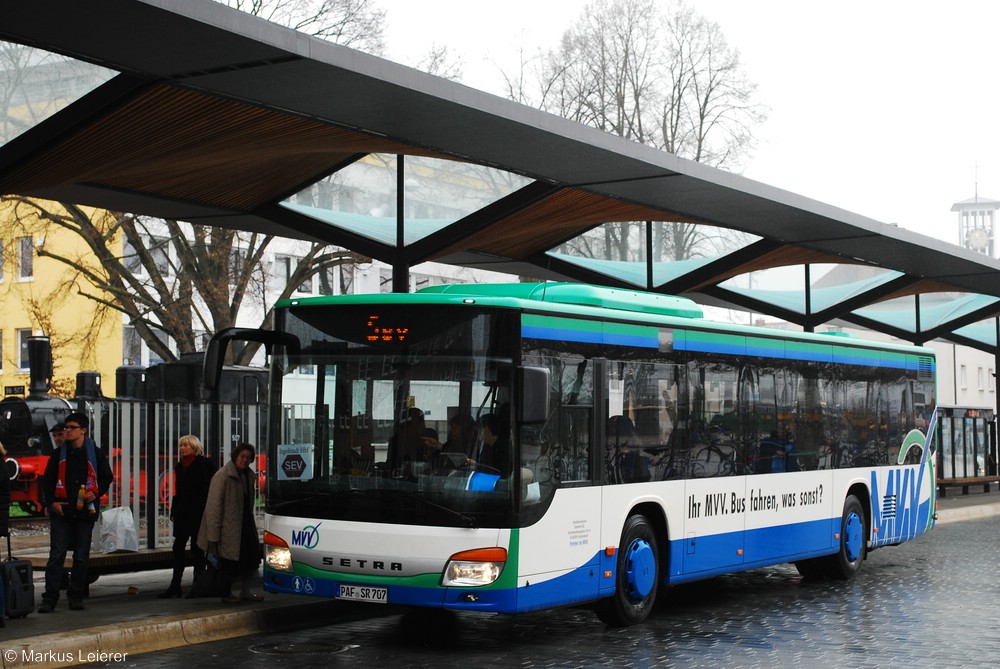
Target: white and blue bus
[{"x": 509, "y": 448}]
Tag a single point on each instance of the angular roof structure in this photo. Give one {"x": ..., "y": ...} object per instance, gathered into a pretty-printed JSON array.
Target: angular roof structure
[{"x": 198, "y": 112}]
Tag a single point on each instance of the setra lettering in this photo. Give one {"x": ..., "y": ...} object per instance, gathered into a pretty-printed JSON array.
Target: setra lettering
[{"x": 362, "y": 564}]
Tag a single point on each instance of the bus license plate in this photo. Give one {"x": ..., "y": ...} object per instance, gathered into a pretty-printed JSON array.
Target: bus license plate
[{"x": 361, "y": 593}]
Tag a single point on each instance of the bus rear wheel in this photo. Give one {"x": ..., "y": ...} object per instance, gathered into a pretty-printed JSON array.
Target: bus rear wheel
[
  {"x": 636, "y": 576},
  {"x": 846, "y": 562},
  {"x": 853, "y": 541}
]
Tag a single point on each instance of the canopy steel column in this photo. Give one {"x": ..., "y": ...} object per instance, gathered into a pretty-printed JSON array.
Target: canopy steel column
[
  {"x": 400, "y": 265},
  {"x": 649, "y": 255},
  {"x": 808, "y": 326}
]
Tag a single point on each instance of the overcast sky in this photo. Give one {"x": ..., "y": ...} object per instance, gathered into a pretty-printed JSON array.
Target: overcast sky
[{"x": 881, "y": 108}]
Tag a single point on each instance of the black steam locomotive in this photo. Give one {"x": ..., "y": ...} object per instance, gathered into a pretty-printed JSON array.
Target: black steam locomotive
[{"x": 26, "y": 421}]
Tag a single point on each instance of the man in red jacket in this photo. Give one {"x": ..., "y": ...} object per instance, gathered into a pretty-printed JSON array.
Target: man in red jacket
[{"x": 75, "y": 479}]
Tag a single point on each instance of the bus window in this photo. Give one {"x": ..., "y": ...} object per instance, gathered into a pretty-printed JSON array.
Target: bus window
[
  {"x": 643, "y": 437},
  {"x": 559, "y": 451},
  {"x": 716, "y": 446}
]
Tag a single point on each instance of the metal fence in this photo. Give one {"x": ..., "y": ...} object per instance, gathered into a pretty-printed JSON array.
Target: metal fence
[{"x": 141, "y": 438}]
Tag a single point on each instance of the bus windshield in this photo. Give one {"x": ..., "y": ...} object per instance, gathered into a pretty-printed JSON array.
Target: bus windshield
[{"x": 388, "y": 416}]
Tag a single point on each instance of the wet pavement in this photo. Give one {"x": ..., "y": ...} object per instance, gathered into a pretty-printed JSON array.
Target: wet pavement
[{"x": 124, "y": 616}]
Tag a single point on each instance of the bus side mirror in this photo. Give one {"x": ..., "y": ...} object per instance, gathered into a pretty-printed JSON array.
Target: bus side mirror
[
  {"x": 534, "y": 386},
  {"x": 215, "y": 353}
]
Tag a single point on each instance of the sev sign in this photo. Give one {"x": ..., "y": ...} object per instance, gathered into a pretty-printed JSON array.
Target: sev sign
[{"x": 295, "y": 462}]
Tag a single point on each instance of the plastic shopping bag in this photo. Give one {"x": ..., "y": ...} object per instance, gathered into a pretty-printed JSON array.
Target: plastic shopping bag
[{"x": 118, "y": 530}]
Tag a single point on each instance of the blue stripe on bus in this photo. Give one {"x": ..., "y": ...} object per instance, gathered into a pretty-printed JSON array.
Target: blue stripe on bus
[
  {"x": 578, "y": 585},
  {"x": 494, "y": 600},
  {"x": 740, "y": 348},
  {"x": 590, "y": 337},
  {"x": 715, "y": 555},
  {"x": 720, "y": 343},
  {"x": 554, "y": 334},
  {"x": 710, "y": 347},
  {"x": 761, "y": 547}
]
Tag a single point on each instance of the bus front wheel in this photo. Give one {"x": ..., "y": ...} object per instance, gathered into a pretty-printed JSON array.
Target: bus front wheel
[
  {"x": 853, "y": 541},
  {"x": 636, "y": 576}
]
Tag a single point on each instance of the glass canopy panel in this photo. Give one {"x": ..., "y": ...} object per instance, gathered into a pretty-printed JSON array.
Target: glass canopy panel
[
  {"x": 35, "y": 84},
  {"x": 939, "y": 308},
  {"x": 783, "y": 287},
  {"x": 361, "y": 197},
  {"x": 634, "y": 272},
  {"x": 936, "y": 309},
  {"x": 984, "y": 332},
  {"x": 830, "y": 284},
  {"x": 619, "y": 249},
  {"x": 899, "y": 313}
]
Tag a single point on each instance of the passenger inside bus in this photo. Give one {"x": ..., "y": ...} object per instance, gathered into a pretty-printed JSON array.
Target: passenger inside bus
[
  {"x": 763, "y": 461},
  {"x": 461, "y": 434},
  {"x": 493, "y": 449},
  {"x": 412, "y": 444},
  {"x": 626, "y": 461},
  {"x": 461, "y": 440},
  {"x": 784, "y": 459}
]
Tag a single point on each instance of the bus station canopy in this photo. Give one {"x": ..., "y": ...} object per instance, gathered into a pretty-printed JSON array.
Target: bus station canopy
[{"x": 189, "y": 110}]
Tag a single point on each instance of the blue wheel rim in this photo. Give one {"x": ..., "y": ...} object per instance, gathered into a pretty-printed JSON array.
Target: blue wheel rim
[
  {"x": 640, "y": 569},
  {"x": 853, "y": 540}
]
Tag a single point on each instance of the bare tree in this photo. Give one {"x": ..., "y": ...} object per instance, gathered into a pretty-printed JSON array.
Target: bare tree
[
  {"x": 354, "y": 23},
  {"x": 606, "y": 62},
  {"x": 35, "y": 84},
  {"x": 441, "y": 62},
  {"x": 533, "y": 83},
  {"x": 666, "y": 79},
  {"x": 172, "y": 280},
  {"x": 710, "y": 112}
]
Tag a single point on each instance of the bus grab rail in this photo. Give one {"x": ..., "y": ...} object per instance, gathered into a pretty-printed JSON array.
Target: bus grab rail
[{"x": 215, "y": 353}]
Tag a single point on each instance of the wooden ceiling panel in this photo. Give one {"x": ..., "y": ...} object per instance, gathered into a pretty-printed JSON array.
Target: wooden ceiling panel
[
  {"x": 783, "y": 256},
  {"x": 550, "y": 221},
  {"x": 918, "y": 288},
  {"x": 187, "y": 145}
]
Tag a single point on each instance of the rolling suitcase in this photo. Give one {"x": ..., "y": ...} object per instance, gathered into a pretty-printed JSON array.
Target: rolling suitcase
[{"x": 18, "y": 587}]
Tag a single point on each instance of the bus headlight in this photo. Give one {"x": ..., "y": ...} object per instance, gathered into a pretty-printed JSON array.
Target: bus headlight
[
  {"x": 277, "y": 555},
  {"x": 481, "y": 566}
]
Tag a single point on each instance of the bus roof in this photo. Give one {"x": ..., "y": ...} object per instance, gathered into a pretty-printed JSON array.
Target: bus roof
[
  {"x": 581, "y": 294},
  {"x": 580, "y": 299},
  {"x": 563, "y": 293}
]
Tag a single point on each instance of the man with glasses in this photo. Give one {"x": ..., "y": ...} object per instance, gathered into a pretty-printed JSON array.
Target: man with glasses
[
  {"x": 58, "y": 432},
  {"x": 77, "y": 476}
]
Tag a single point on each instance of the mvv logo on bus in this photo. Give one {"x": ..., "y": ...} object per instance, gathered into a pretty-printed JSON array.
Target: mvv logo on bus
[
  {"x": 902, "y": 518},
  {"x": 307, "y": 537}
]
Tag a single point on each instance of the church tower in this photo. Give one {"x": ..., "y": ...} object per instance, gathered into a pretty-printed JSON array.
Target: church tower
[{"x": 977, "y": 224}]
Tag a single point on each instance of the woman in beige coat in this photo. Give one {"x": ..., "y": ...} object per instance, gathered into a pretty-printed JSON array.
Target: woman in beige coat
[{"x": 228, "y": 529}]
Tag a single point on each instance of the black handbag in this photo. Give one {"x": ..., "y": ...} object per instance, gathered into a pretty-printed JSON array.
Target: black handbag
[{"x": 207, "y": 581}]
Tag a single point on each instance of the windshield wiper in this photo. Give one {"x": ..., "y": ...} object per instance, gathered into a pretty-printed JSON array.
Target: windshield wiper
[
  {"x": 471, "y": 522},
  {"x": 309, "y": 499},
  {"x": 274, "y": 506}
]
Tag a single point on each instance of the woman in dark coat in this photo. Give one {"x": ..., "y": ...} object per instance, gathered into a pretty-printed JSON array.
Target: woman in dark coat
[
  {"x": 192, "y": 475},
  {"x": 228, "y": 529}
]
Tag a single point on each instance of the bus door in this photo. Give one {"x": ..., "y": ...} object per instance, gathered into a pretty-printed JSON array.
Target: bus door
[
  {"x": 561, "y": 551},
  {"x": 715, "y": 489}
]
